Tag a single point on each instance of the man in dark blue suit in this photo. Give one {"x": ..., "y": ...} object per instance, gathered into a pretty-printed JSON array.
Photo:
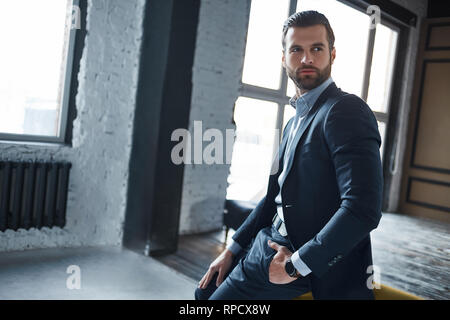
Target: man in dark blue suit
[{"x": 311, "y": 232}]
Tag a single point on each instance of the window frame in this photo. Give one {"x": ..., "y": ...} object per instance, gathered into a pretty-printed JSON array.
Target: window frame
[
  {"x": 67, "y": 109},
  {"x": 280, "y": 97},
  {"x": 395, "y": 17}
]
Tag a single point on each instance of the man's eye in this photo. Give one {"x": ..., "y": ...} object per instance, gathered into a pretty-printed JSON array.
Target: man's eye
[
  {"x": 295, "y": 49},
  {"x": 317, "y": 49}
]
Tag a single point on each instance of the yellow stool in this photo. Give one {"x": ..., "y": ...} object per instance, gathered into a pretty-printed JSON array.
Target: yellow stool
[{"x": 384, "y": 293}]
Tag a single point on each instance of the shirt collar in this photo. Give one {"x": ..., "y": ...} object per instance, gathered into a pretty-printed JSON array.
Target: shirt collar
[{"x": 306, "y": 101}]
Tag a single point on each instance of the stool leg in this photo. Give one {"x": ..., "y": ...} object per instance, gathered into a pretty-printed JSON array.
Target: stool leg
[{"x": 226, "y": 235}]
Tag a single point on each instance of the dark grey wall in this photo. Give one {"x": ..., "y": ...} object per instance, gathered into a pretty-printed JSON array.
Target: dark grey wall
[{"x": 163, "y": 105}]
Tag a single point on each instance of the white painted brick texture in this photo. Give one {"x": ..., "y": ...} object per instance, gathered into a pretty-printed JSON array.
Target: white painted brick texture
[
  {"x": 217, "y": 72},
  {"x": 101, "y": 137}
]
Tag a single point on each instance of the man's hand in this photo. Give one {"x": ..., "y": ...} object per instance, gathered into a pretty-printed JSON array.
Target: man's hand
[
  {"x": 221, "y": 264},
  {"x": 277, "y": 273}
]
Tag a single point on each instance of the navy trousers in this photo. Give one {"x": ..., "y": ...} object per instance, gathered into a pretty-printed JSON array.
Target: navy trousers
[{"x": 248, "y": 278}]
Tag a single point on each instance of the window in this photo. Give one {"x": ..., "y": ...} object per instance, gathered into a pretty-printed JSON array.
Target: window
[
  {"x": 254, "y": 140},
  {"x": 364, "y": 66},
  {"x": 365, "y": 70},
  {"x": 259, "y": 112},
  {"x": 262, "y": 53},
  {"x": 36, "y": 63}
]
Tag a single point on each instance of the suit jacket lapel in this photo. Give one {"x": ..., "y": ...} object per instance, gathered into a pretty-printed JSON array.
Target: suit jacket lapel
[{"x": 307, "y": 121}]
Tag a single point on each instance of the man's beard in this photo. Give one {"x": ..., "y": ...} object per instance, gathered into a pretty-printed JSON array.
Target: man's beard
[{"x": 306, "y": 82}]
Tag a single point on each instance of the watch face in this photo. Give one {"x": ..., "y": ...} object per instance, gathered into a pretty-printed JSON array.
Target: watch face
[{"x": 290, "y": 269}]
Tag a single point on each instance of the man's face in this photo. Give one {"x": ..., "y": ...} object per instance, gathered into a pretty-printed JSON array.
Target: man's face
[{"x": 307, "y": 57}]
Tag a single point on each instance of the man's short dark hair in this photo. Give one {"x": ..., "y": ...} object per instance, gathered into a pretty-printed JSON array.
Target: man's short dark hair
[{"x": 308, "y": 19}]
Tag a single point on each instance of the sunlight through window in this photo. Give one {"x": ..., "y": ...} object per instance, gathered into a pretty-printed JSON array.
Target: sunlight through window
[{"x": 32, "y": 62}]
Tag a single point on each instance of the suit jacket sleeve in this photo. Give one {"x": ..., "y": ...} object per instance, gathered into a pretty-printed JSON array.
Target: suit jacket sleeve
[
  {"x": 248, "y": 230},
  {"x": 351, "y": 133}
]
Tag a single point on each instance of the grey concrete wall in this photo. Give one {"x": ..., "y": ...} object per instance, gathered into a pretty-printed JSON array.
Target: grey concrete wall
[
  {"x": 101, "y": 137},
  {"x": 419, "y": 7},
  {"x": 218, "y": 61}
]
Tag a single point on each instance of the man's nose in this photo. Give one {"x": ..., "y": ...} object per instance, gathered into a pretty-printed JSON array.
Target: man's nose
[{"x": 306, "y": 59}]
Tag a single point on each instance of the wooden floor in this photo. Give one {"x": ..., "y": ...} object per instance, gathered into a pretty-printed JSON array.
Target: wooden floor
[{"x": 412, "y": 254}]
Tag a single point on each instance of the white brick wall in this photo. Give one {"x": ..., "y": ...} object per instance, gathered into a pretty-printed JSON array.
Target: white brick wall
[
  {"x": 102, "y": 133},
  {"x": 217, "y": 71},
  {"x": 103, "y": 128}
]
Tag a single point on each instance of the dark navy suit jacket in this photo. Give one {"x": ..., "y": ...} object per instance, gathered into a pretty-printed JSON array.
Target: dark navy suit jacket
[{"x": 331, "y": 196}]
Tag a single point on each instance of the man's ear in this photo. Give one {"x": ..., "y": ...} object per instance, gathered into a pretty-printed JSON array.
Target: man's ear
[{"x": 333, "y": 54}]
